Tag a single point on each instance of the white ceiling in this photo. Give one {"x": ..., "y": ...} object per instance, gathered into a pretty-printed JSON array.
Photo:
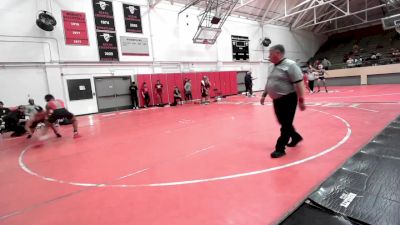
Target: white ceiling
[{"x": 319, "y": 16}]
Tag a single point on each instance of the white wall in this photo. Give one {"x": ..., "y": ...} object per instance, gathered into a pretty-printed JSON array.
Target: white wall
[
  {"x": 17, "y": 85},
  {"x": 71, "y": 52},
  {"x": 170, "y": 40},
  {"x": 299, "y": 45}
]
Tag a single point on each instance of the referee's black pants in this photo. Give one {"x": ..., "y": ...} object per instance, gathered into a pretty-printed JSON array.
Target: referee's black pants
[
  {"x": 249, "y": 89},
  {"x": 135, "y": 100},
  {"x": 285, "y": 109}
]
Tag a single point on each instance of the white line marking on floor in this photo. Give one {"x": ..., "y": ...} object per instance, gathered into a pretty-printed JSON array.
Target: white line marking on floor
[
  {"x": 131, "y": 174},
  {"x": 326, "y": 151},
  {"x": 107, "y": 115},
  {"x": 356, "y": 107},
  {"x": 201, "y": 150},
  {"x": 358, "y": 96},
  {"x": 125, "y": 112}
]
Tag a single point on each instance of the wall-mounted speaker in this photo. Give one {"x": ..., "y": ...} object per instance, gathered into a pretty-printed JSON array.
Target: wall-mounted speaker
[
  {"x": 266, "y": 42},
  {"x": 46, "y": 21}
]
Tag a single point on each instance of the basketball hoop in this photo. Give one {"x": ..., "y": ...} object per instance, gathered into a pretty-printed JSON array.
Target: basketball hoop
[{"x": 206, "y": 35}]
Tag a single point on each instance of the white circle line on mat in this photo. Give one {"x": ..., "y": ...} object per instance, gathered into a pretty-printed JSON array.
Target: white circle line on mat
[{"x": 185, "y": 182}]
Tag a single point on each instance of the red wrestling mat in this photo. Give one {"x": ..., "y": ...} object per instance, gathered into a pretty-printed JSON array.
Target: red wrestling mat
[{"x": 190, "y": 164}]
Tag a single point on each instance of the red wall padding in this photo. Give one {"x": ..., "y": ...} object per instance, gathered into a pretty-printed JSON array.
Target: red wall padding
[
  {"x": 225, "y": 83},
  {"x": 233, "y": 81},
  {"x": 222, "y": 82}
]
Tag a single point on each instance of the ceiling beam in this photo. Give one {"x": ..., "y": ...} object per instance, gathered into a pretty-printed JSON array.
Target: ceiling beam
[
  {"x": 154, "y": 3},
  {"x": 243, "y": 4},
  {"x": 321, "y": 26},
  {"x": 303, "y": 3},
  {"x": 353, "y": 25},
  {"x": 351, "y": 14},
  {"x": 267, "y": 10},
  {"x": 298, "y": 19},
  {"x": 338, "y": 8},
  {"x": 333, "y": 11},
  {"x": 300, "y": 11},
  {"x": 192, "y": 3}
]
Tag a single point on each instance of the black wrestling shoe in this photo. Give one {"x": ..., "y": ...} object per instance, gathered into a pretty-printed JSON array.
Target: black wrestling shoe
[
  {"x": 58, "y": 135},
  {"x": 29, "y": 136},
  {"x": 277, "y": 154},
  {"x": 294, "y": 142}
]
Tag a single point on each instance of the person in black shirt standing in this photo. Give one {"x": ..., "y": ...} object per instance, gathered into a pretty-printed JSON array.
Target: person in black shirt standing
[
  {"x": 248, "y": 82},
  {"x": 134, "y": 97}
]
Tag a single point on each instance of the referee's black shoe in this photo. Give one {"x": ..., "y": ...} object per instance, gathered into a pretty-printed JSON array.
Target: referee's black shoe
[
  {"x": 294, "y": 142},
  {"x": 277, "y": 154}
]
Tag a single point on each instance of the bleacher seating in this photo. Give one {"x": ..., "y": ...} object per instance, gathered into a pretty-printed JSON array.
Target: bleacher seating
[{"x": 369, "y": 40}]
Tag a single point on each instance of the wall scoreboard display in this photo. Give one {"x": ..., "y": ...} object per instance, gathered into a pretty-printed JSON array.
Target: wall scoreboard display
[{"x": 240, "y": 48}]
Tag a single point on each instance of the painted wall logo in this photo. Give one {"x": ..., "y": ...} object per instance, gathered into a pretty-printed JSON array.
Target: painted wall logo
[
  {"x": 131, "y": 9},
  {"x": 107, "y": 37},
  {"x": 347, "y": 199},
  {"x": 103, "y": 5}
]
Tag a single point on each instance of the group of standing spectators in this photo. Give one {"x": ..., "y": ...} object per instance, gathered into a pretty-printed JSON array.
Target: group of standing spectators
[{"x": 159, "y": 90}]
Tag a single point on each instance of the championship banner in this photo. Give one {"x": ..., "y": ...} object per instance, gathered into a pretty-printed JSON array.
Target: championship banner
[
  {"x": 133, "y": 46},
  {"x": 105, "y": 29},
  {"x": 133, "y": 19},
  {"x": 103, "y": 15},
  {"x": 75, "y": 28},
  {"x": 108, "y": 49}
]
